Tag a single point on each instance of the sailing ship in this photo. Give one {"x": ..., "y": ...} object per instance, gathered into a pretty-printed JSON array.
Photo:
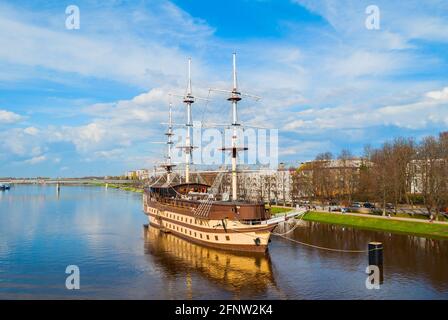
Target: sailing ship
[{"x": 196, "y": 211}]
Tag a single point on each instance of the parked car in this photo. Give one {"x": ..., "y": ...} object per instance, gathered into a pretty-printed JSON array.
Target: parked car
[
  {"x": 335, "y": 208},
  {"x": 356, "y": 205},
  {"x": 390, "y": 206},
  {"x": 369, "y": 205}
]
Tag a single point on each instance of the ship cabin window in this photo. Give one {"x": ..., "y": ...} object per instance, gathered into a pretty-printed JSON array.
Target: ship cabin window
[
  {"x": 191, "y": 221},
  {"x": 195, "y": 234},
  {"x": 190, "y": 232},
  {"x": 200, "y": 235},
  {"x": 216, "y": 238},
  {"x": 208, "y": 238},
  {"x": 227, "y": 238}
]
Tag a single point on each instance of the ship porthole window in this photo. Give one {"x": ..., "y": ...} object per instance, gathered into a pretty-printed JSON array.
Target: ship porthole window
[
  {"x": 227, "y": 238},
  {"x": 216, "y": 238},
  {"x": 200, "y": 235},
  {"x": 208, "y": 238}
]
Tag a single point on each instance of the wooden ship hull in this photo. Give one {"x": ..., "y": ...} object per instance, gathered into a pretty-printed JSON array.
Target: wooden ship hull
[{"x": 223, "y": 225}]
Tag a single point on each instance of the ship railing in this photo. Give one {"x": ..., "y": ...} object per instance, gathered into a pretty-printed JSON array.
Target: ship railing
[
  {"x": 251, "y": 222},
  {"x": 285, "y": 217}
]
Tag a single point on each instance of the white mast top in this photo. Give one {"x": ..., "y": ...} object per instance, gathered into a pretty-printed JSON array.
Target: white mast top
[
  {"x": 188, "y": 100},
  {"x": 235, "y": 83},
  {"x": 170, "y": 133},
  {"x": 189, "y": 87},
  {"x": 169, "y": 165},
  {"x": 235, "y": 97}
]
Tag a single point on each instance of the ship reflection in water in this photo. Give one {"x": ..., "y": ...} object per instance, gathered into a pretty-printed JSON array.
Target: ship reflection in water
[{"x": 249, "y": 274}]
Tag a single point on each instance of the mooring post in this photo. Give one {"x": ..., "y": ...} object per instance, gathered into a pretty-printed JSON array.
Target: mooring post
[{"x": 376, "y": 257}]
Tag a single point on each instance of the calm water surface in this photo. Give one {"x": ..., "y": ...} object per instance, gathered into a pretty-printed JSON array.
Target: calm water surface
[{"x": 100, "y": 230}]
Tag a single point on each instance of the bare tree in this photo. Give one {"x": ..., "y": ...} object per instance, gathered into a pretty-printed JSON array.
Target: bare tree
[
  {"x": 322, "y": 176},
  {"x": 348, "y": 176},
  {"x": 433, "y": 167}
]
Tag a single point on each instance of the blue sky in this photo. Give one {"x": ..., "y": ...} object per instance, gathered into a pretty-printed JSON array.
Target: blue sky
[{"x": 90, "y": 101}]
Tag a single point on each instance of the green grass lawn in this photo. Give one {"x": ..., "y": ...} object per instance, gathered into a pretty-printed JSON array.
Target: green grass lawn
[
  {"x": 415, "y": 228},
  {"x": 278, "y": 210}
]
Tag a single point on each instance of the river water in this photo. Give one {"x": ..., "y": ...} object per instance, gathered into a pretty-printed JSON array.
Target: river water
[{"x": 101, "y": 231}]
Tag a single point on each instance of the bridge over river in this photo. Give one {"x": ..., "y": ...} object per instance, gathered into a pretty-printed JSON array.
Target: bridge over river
[{"x": 65, "y": 181}]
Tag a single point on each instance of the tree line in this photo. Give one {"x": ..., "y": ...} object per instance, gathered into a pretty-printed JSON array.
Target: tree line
[{"x": 401, "y": 171}]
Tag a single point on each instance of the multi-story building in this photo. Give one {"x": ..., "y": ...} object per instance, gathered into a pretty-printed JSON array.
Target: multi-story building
[
  {"x": 271, "y": 186},
  {"x": 327, "y": 179},
  {"x": 141, "y": 174}
]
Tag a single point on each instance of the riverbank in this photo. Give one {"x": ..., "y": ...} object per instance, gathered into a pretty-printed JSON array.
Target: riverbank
[
  {"x": 397, "y": 225},
  {"x": 121, "y": 187},
  {"x": 276, "y": 210}
]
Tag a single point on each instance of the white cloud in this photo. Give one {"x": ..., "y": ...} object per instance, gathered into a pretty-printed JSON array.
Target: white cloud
[
  {"x": 414, "y": 115},
  {"x": 121, "y": 54},
  {"x": 36, "y": 160},
  {"x": 32, "y": 131},
  {"x": 9, "y": 117},
  {"x": 438, "y": 95}
]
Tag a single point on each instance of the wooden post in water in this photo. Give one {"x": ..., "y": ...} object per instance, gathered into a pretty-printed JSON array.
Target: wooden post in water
[{"x": 376, "y": 257}]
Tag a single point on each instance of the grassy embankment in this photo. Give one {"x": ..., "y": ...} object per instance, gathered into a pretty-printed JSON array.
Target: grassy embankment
[
  {"x": 415, "y": 228},
  {"x": 121, "y": 187},
  {"x": 279, "y": 210}
]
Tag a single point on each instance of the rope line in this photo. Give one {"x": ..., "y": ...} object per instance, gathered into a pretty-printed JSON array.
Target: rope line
[
  {"x": 327, "y": 249},
  {"x": 308, "y": 244},
  {"x": 294, "y": 228},
  {"x": 316, "y": 246},
  {"x": 155, "y": 181}
]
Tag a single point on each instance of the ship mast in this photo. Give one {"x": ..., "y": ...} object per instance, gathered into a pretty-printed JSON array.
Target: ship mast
[
  {"x": 169, "y": 165},
  {"x": 235, "y": 97},
  {"x": 188, "y": 148}
]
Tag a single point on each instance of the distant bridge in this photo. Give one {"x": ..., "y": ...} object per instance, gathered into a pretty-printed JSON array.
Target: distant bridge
[{"x": 65, "y": 181}]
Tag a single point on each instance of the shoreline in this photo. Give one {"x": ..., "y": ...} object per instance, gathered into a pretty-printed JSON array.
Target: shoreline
[{"x": 120, "y": 187}]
